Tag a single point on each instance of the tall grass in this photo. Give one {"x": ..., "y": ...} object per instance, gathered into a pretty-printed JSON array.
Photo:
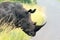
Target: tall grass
[{"x": 14, "y": 34}]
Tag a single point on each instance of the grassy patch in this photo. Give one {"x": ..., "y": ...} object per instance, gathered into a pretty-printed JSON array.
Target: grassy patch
[{"x": 15, "y": 34}]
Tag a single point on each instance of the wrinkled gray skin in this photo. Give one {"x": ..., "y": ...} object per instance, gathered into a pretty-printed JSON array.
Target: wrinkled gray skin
[{"x": 15, "y": 12}]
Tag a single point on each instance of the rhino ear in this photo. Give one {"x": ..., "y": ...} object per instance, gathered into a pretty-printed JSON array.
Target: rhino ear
[{"x": 31, "y": 11}]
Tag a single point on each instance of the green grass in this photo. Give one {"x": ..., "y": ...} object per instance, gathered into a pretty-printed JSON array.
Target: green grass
[
  {"x": 22, "y": 1},
  {"x": 15, "y": 34}
]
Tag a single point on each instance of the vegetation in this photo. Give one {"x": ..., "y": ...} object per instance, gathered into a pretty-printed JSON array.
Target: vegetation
[{"x": 22, "y": 1}]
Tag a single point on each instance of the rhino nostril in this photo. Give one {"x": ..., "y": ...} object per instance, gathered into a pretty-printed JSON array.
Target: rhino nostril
[{"x": 32, "y": 34}]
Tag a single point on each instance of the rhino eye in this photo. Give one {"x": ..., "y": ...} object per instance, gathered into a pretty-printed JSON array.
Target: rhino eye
[
  {"x": 26, "y": 13},
  {"x": 34, "y": 23}
]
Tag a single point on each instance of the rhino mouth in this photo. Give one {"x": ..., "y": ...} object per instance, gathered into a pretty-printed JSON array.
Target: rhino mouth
[{"x": 33, "y": 32}]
